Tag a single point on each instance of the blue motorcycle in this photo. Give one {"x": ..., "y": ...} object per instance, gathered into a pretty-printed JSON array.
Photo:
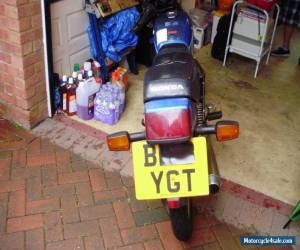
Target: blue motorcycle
[{"x": 173, "y": 159}]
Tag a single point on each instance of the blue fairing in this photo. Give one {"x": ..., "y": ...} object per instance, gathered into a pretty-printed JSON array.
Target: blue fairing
[{"x": 172, "y": 28}]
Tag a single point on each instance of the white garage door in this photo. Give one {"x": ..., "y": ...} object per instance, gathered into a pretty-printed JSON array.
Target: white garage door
[{"x": 69, "y": 38}]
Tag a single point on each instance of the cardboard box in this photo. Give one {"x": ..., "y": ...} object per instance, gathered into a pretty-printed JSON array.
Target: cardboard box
[
  {"x": 108, "y": 7},
  {"x": 188, "y": 5}
]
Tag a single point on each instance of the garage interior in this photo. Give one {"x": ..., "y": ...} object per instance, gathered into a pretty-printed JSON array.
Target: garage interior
[{"x": 266, "y": 156}]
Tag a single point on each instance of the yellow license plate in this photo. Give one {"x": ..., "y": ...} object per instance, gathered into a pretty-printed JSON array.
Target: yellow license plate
[{"x": 156, "y": 181}]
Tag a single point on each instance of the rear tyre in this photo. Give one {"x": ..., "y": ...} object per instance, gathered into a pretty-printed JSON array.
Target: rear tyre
[{"x": 181, "y": 221}]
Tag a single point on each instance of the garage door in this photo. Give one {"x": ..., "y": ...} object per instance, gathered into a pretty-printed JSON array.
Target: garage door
[{"x": 69, "y": 38}]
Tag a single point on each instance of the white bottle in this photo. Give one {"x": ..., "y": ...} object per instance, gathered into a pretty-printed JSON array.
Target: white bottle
[
  {"x": 90, "y": 73},
  {"x": 80, "y": 78},
  {"x": 75, "y": 77},
  {"x": 87, "y": 66},
  {"x": 85, "y": 94}
]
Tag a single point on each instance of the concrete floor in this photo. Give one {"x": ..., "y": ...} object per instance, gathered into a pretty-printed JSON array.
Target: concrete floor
[{"x": 266, "y": 156}]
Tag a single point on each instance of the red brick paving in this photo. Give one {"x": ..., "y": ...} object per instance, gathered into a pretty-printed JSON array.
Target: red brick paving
[
  {"x": 97, "y": 180},
  {"x": 16, "y": 204},
  {"x": 166, "y": 236},
  {"x": 123, "y": 214},
  {"x": 24, "y": 223},
  {"x": 153, "y": 245},
  {"x": 52, "y": 199}
]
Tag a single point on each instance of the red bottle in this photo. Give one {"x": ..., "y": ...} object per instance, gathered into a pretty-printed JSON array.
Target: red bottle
[{"x": 71, "y": 98}]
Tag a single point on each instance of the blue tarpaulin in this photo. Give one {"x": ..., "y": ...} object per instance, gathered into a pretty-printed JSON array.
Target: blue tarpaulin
[{"x": 116, "y": 34}]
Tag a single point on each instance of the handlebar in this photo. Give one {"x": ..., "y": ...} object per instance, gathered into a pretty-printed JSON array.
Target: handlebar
[{"x": 150, "y": 11}]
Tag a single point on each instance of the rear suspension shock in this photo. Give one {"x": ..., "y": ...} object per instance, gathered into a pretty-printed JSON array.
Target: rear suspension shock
[{"x": 200, "y": 114}]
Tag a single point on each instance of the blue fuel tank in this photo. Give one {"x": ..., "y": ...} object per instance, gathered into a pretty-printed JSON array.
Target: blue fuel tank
[{"x": 173, "y": 27}]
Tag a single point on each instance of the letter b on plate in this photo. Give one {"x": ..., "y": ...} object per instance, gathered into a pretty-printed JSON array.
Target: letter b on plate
[{"x": 150, "y": 157}]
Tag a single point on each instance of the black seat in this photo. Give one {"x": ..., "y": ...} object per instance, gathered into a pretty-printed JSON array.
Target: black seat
[{"x": 174, "y": 73}]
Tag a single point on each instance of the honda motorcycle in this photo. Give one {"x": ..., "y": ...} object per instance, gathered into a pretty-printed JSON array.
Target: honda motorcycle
[{"x": 173, "y": 159}]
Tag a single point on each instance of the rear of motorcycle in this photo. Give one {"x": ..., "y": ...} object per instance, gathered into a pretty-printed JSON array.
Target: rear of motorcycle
[
  {"x": 173, "y": 159},
  {"x": 170, "y": 158},
  {"x": 175, "y": 168}
]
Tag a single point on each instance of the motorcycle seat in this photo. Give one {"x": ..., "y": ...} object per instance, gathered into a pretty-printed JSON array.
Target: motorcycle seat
[{"x": 174, "y": 73}]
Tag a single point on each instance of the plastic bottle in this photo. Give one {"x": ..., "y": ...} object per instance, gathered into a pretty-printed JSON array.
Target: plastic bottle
[
  {"x": 76, "y": 67},
  {"x": 85, "y": 95},
  {"x": 100, "y": 112},
  {"x": 63, "y": 90},
  {"x": 97, "y": 107},
  {"x": 75, "y": 77},
  {"x": 111, "y": 109},
  {"x": 117, "y": 103},
  {"x": 71, "y": 97},
  {"x": 80, "y": 78},
  {"x": 123, "y": 73},
  {"x": 117, "y": 80},
  {"x": 98, "y": 80},
  {"x": 122, "y": 102},
  {"x": 107, "y": 103},
  {"x": 90, "y": 74},
  {"x": 87, "y": 66},
  {"x": 105, "y": 112},
  {"x": 97, "y": 71},
  {"x": 121, "y": 87}
]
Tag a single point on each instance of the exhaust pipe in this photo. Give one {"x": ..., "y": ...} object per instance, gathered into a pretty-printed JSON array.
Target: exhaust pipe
[{"x": 214, "y": 176}]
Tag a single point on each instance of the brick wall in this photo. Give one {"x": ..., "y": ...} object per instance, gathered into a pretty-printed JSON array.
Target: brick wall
[{"x": 22, "y": 80}]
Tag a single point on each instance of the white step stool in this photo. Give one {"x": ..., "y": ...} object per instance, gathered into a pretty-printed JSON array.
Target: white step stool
[{"x": 252, "y": 34}]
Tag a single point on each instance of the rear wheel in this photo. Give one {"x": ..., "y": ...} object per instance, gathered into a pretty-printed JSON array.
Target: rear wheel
[{"x": 181, "y": 220}]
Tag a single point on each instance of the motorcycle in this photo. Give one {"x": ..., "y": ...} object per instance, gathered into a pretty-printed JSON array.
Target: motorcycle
[{"x": 173, "y": 159}]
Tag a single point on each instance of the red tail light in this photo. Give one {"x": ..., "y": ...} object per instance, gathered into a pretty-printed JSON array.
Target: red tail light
[
  {"x": 173, "y": 203},
  {"x": 168, "y": 119}
]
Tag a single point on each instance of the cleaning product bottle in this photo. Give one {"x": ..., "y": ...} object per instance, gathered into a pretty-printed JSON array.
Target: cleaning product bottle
[
  {"x": 90, "y": 74},
  {"x": 97, "y": 71},
  {"x": 123, "y": 73},
  {"x": 63, "y": 90},
  {"x": 87, "y": 66},
  {"x": 75, "y": 77},
  {"x": 76, "y": 67},
  {"x": 98, "y": 80},
  {"x": 80, "y": 78},
  {"x": 85, "y": 95},
  {"x": 117, "y": 80},
  {"x": 121, "y": 86},
  {"x": 71, "y": 97}
]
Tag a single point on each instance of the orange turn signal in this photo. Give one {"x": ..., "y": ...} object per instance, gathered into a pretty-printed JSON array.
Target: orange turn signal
[
  {"x": 227, "y": 130},
  {"x": 118, "y": 141}
]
